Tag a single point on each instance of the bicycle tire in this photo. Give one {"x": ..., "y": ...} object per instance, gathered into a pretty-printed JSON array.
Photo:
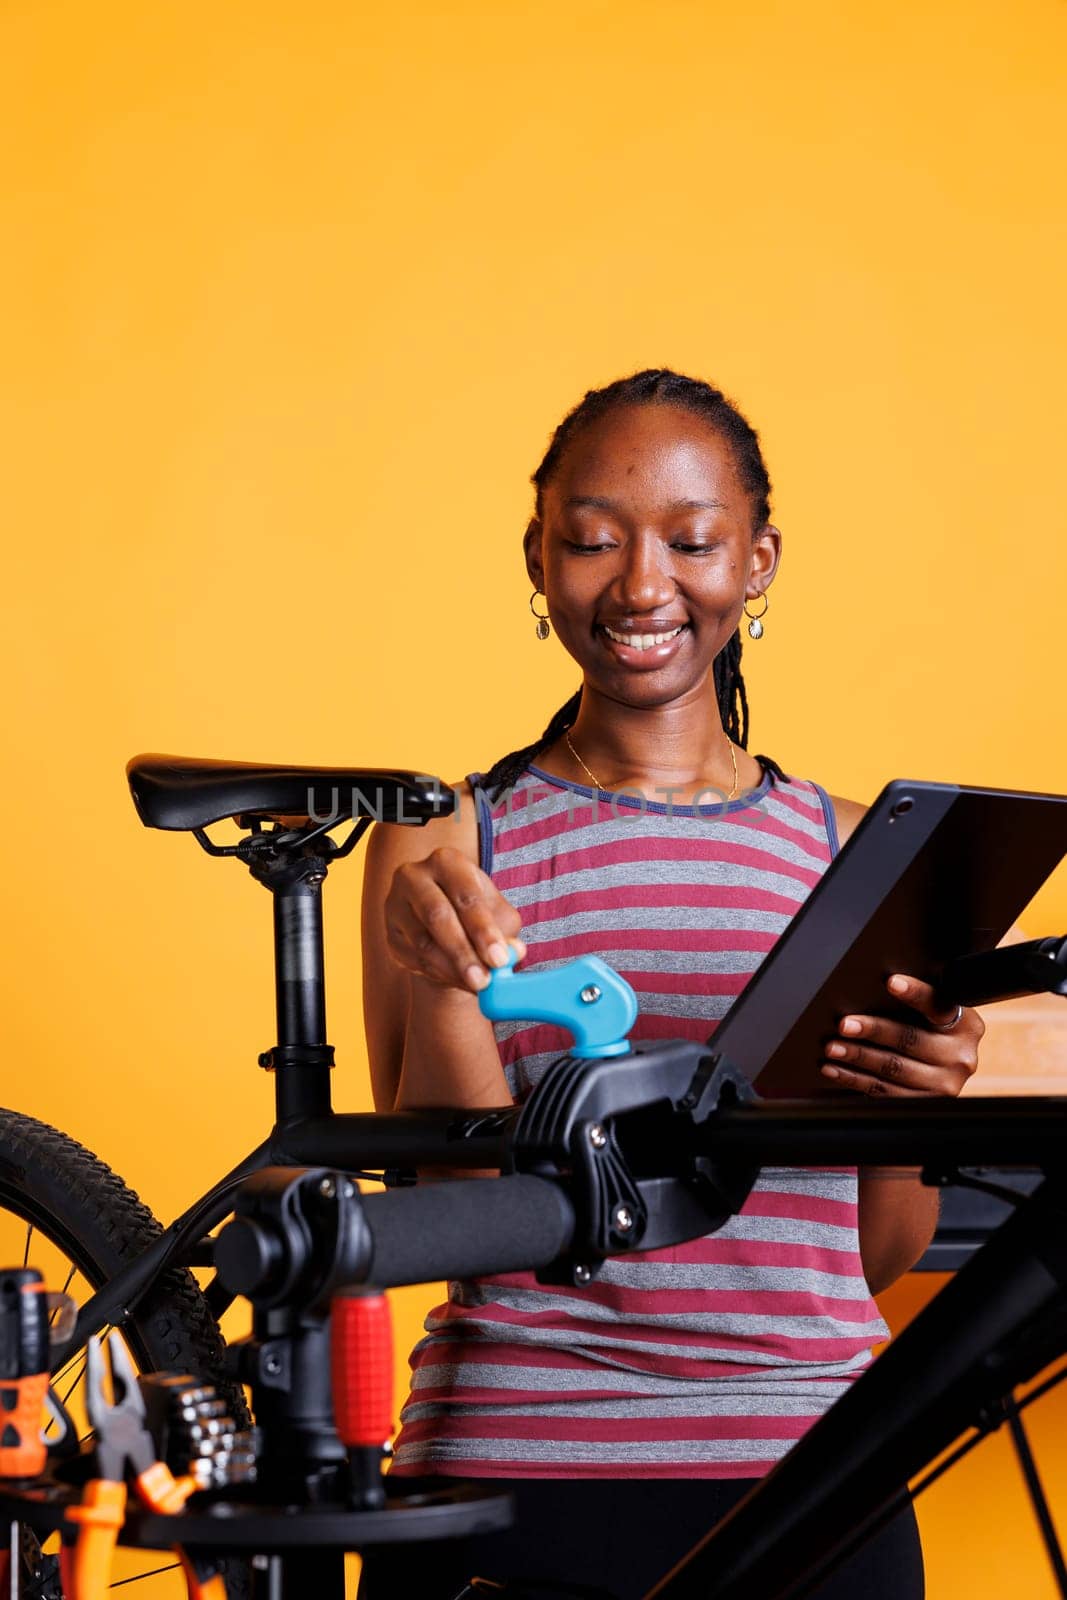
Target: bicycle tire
[{"x": 68, "y": 1194}]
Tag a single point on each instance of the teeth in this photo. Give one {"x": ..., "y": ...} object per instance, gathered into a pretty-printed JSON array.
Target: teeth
[{"x": 642, "y": 641}]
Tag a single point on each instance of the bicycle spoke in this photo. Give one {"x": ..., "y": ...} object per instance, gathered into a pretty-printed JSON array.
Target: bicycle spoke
[
  {"x": 77, "y": 1379},
  {"x": 83, "y": 1362},
  {"x": 66, "y": 1286},
  {"x": 67, "y": 1368},
  {"x": 26, "y": 1252},
  {"x": 137, "y": 1579}
]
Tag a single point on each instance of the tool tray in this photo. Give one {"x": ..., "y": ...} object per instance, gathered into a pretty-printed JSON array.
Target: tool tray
[{"x": 223, "y": 1524}]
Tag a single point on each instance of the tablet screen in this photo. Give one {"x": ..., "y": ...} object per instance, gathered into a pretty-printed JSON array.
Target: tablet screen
[{"x": 933, "y": 872}]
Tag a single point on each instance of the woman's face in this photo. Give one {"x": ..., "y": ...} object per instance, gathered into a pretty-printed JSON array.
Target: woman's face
[{"x": 646, "y": 553}]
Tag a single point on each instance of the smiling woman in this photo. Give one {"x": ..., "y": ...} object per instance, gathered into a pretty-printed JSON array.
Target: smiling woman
[
  {"x": 630, "y": 1414},
  {"x": 650, "y": 530}
]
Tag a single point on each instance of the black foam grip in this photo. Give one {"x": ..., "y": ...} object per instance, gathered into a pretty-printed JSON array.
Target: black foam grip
[{"x": 464, "y": 1228}]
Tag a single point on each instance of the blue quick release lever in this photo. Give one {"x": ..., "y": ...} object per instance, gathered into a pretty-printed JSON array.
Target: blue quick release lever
[{"x": 585, "y": 996}]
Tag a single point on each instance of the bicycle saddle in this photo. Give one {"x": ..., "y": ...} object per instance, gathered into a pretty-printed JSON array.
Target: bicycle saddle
[{"x": 184, "y": 792}]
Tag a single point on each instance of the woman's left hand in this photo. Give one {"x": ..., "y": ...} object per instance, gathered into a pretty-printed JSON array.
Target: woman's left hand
[{"x": 878, "y": 1056}]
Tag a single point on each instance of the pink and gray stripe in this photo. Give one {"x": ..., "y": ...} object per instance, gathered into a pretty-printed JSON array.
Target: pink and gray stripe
[{"x": 711, "y": 1358}]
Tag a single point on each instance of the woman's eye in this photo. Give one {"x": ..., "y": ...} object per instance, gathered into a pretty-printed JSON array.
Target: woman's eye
[
  {"x": 587, "y": 549},
  {"x": 693, "y": 549}
]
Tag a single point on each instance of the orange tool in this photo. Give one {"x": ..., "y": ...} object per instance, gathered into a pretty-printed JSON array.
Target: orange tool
[
  {"x": 24, "y": 1352},
  {"x": 124, "y": 1448}
]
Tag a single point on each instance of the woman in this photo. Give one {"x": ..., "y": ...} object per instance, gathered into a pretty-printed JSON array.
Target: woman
[{"x": 629, "y": 1416}]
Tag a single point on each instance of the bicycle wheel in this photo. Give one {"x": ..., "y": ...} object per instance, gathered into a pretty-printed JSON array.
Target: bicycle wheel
[{"x": 66, "y": 1213}]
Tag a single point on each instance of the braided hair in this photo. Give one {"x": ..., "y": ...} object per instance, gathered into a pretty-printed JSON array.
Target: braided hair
[{"x": 656, "y": 386}]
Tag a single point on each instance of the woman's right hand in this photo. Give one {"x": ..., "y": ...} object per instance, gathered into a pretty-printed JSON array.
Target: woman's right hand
[{"x": 446, "y": 921}]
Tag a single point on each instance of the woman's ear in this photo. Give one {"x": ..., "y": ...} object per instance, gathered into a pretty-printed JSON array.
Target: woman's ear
[
  {"x": 766, "y": 554},
  {"x": 531, "y": 545}
]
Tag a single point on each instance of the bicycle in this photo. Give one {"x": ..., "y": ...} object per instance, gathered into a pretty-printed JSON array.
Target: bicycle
[
  {"x": 82, "y": 1225},
  {"x": 139, "y": 1272}
]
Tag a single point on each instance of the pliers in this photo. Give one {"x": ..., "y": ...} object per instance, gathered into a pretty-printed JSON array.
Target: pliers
[{"x": 124, "y": 1448}]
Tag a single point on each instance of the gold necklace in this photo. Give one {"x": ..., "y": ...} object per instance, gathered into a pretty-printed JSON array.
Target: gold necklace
[
  {"x": 600, "y": 787},
  {"x": 596, "y": 782}
]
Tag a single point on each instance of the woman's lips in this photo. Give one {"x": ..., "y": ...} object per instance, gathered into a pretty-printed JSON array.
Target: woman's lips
[{"x": 643, "y": 651}]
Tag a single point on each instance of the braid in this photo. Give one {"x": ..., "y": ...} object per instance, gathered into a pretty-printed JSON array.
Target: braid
[
  {"x": 657, "y": 386},
  {"x": 730, "y": 691}
]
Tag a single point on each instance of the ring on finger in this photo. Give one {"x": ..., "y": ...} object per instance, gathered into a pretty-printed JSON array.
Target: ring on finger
[{"x": 947, "y": 1027}]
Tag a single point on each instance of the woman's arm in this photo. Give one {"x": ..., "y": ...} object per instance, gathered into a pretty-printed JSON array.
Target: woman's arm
[
  {"x": 898, "y": 1213},
  {"x": 431, "y": 919},
  {"x": 897, "y": 1218}
]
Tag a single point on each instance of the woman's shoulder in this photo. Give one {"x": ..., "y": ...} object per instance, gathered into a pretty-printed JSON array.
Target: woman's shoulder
[
  {"x": 392, "y": 844},
  {"x": 848, "y": 814}
]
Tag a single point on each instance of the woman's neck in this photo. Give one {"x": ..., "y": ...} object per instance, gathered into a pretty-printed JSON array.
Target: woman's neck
[{"x": 670, "y": 752}]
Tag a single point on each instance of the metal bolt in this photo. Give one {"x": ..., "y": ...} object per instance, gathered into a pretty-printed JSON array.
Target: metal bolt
[
  {"x": 589, "y": 994},
  {"x": 624, "y": 1219},
  {"x": 597, "y": 1137},
  {"x": 327, "y": 1188},
  {"x": 272, "y": 1364},
  {"x": 348, "y": 1189},
  {"x": 582, "y": 1274}
]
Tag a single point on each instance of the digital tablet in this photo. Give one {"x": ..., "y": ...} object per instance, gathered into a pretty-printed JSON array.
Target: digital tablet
[{"x": 934, "y": 871}]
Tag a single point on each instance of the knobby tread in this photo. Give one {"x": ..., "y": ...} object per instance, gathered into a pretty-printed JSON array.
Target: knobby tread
[{"x": 113, "y": 1225}]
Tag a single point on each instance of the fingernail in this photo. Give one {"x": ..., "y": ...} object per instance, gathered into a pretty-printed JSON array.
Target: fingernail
[
  {"x": 851, "y": 1025},
  {"x": 836, "y": 1049},
  {"x": 477, "y": 977},
  {"x": 498, "y": 955},
  {"x": 898, "y": 985},
  {"x": 830, "y": 1072}
]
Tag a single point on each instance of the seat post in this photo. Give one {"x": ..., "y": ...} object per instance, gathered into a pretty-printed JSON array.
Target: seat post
[
  {"x": 299, "y": 974},
  {"x": 301, "y": 1060}
]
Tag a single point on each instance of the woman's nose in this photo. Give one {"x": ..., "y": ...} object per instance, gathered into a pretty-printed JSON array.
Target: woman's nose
[{"x": 645, "y": 582}]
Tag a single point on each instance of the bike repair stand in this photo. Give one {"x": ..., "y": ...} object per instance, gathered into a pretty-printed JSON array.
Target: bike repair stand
[{"x": 278, "y": 1253}]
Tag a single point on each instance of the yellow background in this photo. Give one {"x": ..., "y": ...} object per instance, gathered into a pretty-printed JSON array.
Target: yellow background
[{"x": 292, "y": 300}]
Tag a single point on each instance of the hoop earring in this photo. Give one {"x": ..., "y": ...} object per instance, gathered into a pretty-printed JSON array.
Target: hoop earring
[
  {"x": 755, "y": 624},
  {"x": 543, "y": 625}
]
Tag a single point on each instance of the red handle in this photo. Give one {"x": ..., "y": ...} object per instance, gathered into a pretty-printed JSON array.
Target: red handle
[{"x": 361, "y": 1367}]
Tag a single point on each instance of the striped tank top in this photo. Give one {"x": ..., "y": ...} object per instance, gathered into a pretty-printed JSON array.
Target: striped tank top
[{"x": 702, "y": 1360}]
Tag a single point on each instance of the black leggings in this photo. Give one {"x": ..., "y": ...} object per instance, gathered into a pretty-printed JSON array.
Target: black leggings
[{"x": 620, "y": 1536}]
